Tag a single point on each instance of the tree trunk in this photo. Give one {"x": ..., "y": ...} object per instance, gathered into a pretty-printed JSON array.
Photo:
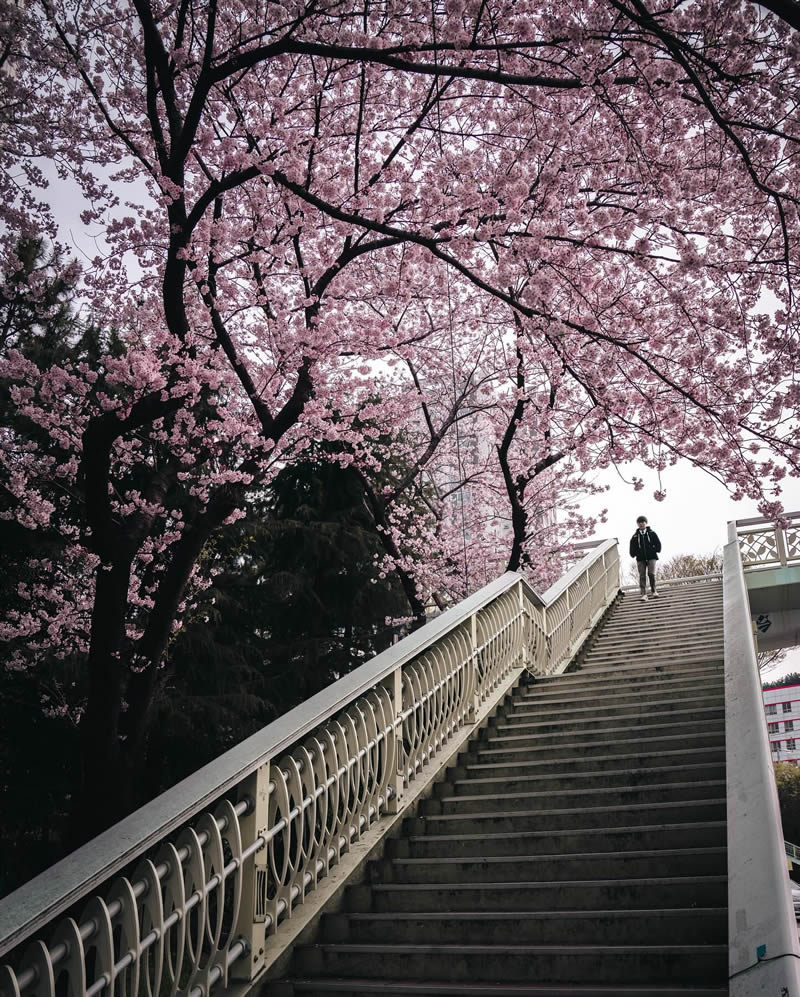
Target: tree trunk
[{"x": 99, "y": 799}]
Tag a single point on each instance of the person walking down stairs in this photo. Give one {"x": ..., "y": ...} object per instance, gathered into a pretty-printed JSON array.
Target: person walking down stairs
[{"x": 645, "y": 547}]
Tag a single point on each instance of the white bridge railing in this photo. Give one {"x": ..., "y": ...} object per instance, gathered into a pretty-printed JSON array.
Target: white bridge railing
[
  {"x": 765, "y": 544},
  {"x": 225, "y": 856},
  {"x": 763, "y": 949}
]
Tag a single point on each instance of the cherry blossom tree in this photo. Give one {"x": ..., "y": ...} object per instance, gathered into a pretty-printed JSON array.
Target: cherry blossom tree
[{"x": 298, "y": 203}]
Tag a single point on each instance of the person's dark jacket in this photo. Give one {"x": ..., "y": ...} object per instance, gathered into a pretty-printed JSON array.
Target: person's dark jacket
[{"x": 645, "y": 545}]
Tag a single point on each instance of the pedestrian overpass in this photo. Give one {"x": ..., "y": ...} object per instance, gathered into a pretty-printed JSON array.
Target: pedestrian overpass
[{"x": 521, "y": 797}]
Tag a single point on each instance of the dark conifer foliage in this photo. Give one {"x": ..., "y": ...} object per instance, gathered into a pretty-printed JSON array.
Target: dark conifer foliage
[{"x": 298, "y": 603}]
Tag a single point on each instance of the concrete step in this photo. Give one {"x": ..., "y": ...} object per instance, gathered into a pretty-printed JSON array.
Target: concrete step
[
  {"x": 507, "y": 821},
  {"x": 545, "y": 963},
  {"x": 591, "y": 762},
  {"x": 667, "y": 646},
  {"x": 555, "y": 782},
  {"x": 613, "y": 927},
  {"x": 652, "y": 892},
  {"x": 584, "y": 698},
  {"x": 611, "y": 706},
  {"x": 655, "y": 660},
  {"x": 694, "y": 603},
  {"x": 638, "y": 713},
  {"x": 696, "y": 626},
  {"x": 654, "y": 632},
  {"x": 652, "y": 617},
  {"x": 647, "y": 619},
  {"x": 689, "y": 594},
  {"x": 652, "y": 837},
  {"x": 577, "y": 684},
  {"x": 580, "y": 751},
  {"x": 655, "y": 725},
  {"x": 324, "y": 986},
  {"x": 592, "y": 796},
  {"x": 656, "y": 613},
  {"x": 678, "y": 862},
  {"x": 624, "y": 671}
]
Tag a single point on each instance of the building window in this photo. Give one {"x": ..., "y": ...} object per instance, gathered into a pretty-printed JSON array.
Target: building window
[
  {"x": 787, "y": 707},
  {"x": 790, "y": 744},
  {"x": 773, "y": 728},
  {"x": 788, "y": 725},
  {"x": 772, "y": 708}
]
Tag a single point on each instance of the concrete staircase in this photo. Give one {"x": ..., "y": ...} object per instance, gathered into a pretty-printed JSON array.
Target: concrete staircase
[{"x": 578, "y": 845}]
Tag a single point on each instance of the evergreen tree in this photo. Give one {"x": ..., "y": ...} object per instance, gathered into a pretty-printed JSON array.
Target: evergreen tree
[{"x": 297, "y": 603}]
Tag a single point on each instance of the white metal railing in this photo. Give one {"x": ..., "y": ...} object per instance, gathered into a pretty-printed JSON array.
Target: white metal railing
[
  {"x": 267, "y": 821},
  {"x": 766, "y": 544},
  {"x": 792, "y": 851},
  {"x": 764, "y": 954}
]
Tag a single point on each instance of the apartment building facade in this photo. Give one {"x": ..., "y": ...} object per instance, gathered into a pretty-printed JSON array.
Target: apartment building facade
[{"x": 782, "y": 709}]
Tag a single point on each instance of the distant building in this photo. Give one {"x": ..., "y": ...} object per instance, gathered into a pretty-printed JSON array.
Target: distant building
[{"x": 782, "y": 709}]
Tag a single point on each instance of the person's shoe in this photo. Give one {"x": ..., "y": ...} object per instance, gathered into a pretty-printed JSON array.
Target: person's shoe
[
  {"x": 654, "y": 594},
  {"x": 644, "y": 598}
]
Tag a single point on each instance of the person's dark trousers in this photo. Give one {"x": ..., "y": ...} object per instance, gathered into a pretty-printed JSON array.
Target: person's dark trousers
[{"x": 647, "y": 569}]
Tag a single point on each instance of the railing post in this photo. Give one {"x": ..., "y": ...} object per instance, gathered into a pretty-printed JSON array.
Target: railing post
[
  {"x": 780, "y": 545},
  {"x": 394, "y": 744},
  {"x": 476, "y": 693},
  {"x": 569, "y": 610},
  {"x": 251, "y": 925},
  {"x": 526, "y": 623}
]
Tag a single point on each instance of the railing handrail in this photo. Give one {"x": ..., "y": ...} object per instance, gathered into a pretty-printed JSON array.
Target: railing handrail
[
  {"x": 761, "y": 926},
  {"x": 763, "y": 521},
  {"x": 46, "y": 896},
  {"x": 767, "y": 544},
  {"x": 550, "y": 595}
]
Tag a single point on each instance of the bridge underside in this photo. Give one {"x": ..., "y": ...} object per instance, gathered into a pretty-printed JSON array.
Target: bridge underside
[{"x": 774, "y": 595}]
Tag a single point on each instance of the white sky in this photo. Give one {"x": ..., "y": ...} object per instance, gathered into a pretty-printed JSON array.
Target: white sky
[{"x": 693, "y": 519}]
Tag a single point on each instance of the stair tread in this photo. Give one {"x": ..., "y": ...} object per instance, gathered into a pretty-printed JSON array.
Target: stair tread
[
  {"x": 549, "y": 857},
  {"x": 577, "y": 679},
  {"x": 502, "y": 915},
  {"x": 585, "y": 792},
  {"x": 710, "y": 748},
  {"x": 650, "y": 881},
  {"x": 627, "y": 728},
  {"x": 666, "y": 713},
  {"x": 572, "y": 832},
  {"x": 473, "y": 949},
  {"x": 604, "y": 699},
  {"x": 561, "y": 811},
  {"x": 434, "y": 988},
  {"x": 644, "y": 772}
]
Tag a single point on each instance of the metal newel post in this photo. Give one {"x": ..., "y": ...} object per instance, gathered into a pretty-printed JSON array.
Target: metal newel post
[
  {"x": 251, "y": 925},
  {"x": 394, "y": 744},
  {"x": 476, "y": 698},
  {"x": 780, "y": 542},
  {"x": 588, "y": 598},
  {"x": 570, "y": 613},
  {"x": 526, "y": 623}
]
